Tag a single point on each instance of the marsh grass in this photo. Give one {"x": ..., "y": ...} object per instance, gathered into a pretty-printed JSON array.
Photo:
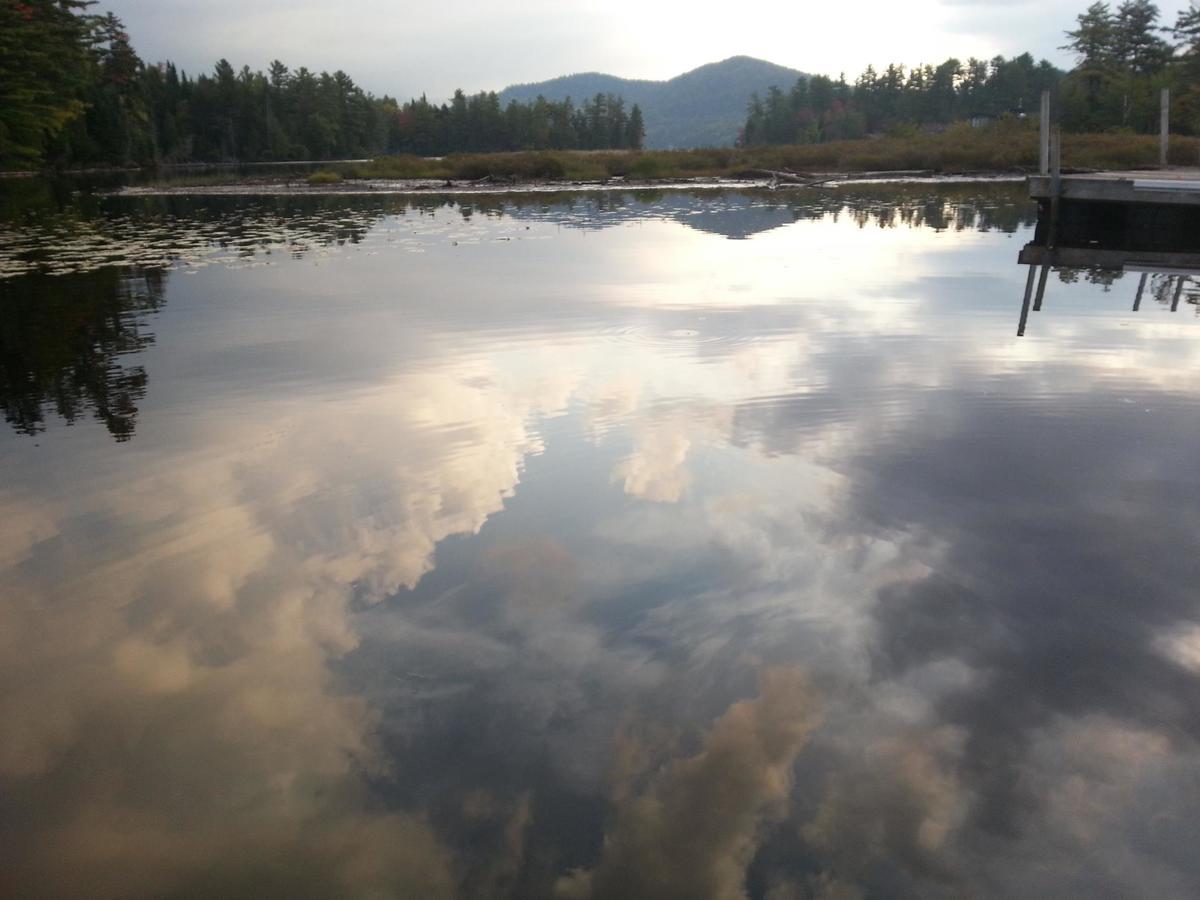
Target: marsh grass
[
  {"x": 960, "y": 149},
  {"x": 324, "y": 176}
]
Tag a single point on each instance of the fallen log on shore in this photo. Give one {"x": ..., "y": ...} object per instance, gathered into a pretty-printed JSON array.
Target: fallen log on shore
[
  {"x": 777, "y": 175},
  {"x": 893, "y": 173}
]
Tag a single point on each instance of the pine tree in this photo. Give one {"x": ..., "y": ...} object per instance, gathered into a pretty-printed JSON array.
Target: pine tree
[
  {"x": 1186, "y": 95},
  {"x": 1094, "y": 40},
  {"x": 1135, "y": 42},
  {"x": 637, "y": 128},
  {"x": 1186, "y": 32}
]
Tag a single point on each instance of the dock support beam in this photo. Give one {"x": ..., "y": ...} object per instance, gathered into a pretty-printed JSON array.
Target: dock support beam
[
  {"x": 1025, "y": 301},
  {"x": 1041, "y": 289},
  {"x": 1044, "y": 134},
  {"x": 1164, "y": 126},
  {"x": 1055, "y": 152}
]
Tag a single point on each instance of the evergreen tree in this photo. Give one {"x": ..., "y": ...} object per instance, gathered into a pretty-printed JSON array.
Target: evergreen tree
[
  {"x": 1185, "y": 102},
  {"x": 43, "y": 72},
  {"x": 1135, "y": 41},
  {"x": 1140, "y": 53},
  {"x": 1094, "y": 40},
  {"x": 637, "y": 128}
]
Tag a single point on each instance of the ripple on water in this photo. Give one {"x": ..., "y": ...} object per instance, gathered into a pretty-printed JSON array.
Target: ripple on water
[{"x": 674, "y": 339}]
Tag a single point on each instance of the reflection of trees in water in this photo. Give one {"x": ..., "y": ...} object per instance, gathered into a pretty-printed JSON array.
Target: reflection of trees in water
[
  {"x": 1165, "y": 288},
  {"x": 61, "y": 335},
  {"x": 250, "y": 224},
  {"x": 234, "y": 224},
  {"x": 1191, "y": 294},
  {"x": 1106, "y": 278},
  {"x": 967, "y": 207},
  {"x": 1174, "y": 290},
  {"x": 162, "y": 231},
  {"x": 936, "y": 213},
  {"x": 740, "y": 213},
  {"x": 86, "y": 233},
  {"x": 61, "y": 339}
]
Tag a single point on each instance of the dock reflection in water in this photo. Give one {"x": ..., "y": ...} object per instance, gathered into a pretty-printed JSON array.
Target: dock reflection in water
[
  {"x": 657, "y": 545},
  {"x": 1168, "y": 282},
  {"x": 1107, "y": 224}
]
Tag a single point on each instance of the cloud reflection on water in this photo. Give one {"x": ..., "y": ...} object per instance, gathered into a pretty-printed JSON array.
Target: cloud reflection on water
[{"x": 528, "y": 581}]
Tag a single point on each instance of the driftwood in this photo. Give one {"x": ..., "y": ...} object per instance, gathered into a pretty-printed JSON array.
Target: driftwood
[
  {"x": 894, "y": 173},
  {"x": 814, "y": 180},
  {"x": 785, "y": 176},
  {"x": 496, "y": 179}
]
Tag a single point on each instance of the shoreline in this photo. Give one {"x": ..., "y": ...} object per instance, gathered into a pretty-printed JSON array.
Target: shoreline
[{"x": 434, "y": 187}]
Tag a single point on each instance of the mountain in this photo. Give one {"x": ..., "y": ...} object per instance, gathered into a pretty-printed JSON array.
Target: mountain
[{"x": 705, "y": 107}]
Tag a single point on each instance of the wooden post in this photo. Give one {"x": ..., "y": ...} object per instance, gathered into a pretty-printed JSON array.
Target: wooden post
[
  {"x": 1025, "y": 302},
  {"x": 1041, "y": 289},
  {"x": 1137, "y": 301},
  {"x": 1055, "y": 186},
  {"x": 1178, "y": 292},
  {"x": 1044, "y": 134},
  {"x": 1164, "y": 126}
]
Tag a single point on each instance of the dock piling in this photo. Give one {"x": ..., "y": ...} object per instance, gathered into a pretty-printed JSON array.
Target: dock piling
[
  {"x": 1025, "y": 302},
  {"x": 1044, "y": 134},
  {"x": 1164, "y": 126},
  {"x": 1137, "y": 301},
  {"x": 1055, "y": 186},
  {"x": 1041, "y": 289}
]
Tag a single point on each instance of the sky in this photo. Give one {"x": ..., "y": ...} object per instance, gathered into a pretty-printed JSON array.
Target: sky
[{"x": 405, "y": 49}]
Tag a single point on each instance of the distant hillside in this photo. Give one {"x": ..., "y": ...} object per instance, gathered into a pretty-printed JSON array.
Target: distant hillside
[{"x": 702, "y": 108}]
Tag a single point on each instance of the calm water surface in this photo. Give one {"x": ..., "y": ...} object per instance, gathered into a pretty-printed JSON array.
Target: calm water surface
[{"x": 678, "y": 545}]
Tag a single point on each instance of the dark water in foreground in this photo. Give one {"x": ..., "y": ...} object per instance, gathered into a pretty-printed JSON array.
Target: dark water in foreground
[{"x": 678, "y": 545}]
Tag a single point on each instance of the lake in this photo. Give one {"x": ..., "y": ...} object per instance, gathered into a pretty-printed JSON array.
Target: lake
[{"x": 675, "y": 544}]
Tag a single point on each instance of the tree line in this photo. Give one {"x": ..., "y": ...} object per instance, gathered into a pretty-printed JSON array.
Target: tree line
[
  {"x": 1123, "y": 61},
  {"x": 818, "y": 108},
  {"x": 479, "y": 124},
  {"x": 73, "y": 91}
]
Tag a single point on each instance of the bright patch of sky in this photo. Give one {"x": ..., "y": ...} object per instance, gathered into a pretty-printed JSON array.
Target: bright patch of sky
[{"x": 406, "y": 49}]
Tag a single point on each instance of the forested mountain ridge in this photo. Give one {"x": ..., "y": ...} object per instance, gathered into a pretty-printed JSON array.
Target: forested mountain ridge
[{"x": 703, "y": 107}]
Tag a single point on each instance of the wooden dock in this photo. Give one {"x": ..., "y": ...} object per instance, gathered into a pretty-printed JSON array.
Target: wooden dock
[
  {"x": 1156, "y": 187},
  {"x": 1154, "y": 211},
  {"x": 1141, "y": 221}
]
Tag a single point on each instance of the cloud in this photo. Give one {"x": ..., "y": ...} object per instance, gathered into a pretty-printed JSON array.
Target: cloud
[{"x": 693, "y": 830}]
